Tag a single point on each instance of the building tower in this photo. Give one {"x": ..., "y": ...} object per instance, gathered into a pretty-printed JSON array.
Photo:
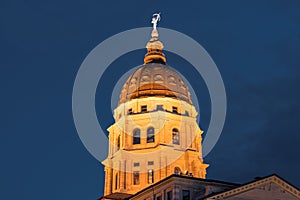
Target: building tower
[{"x": 155, "y": 133}]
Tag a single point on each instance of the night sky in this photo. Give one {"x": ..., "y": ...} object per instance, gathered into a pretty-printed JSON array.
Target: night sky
[{"x": 255, "y": 44}]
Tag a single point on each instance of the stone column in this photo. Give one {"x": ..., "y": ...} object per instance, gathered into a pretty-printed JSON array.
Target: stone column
[{"x": 108, "y": 180}]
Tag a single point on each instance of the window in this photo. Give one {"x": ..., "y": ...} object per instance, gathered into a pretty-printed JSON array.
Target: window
[
  {"x": 169, "y": 195},
  {"x": 150, "y": 176},
  {"x": 174, "y": 109},
  {"x": 136, "y": 178},
  {"x": 136, "y": 164},
  {"x": 116, "y": 181},
  {"x": 130, "y": 111},
  {"x": 136, "y": 136},
  {"x": 118, "y": 143},
  {"x": 185, "y": 195},
  {"x": 143, "y": 109},
  {"x": 175, "y": 136},
  {"x": 150, "y": 135},
  {"x": 150, "y": 163},
  {"x": 158, "y": 198},
  {"x": 159, "y": 107},
  {"x": 125, "y": 175},
  {"x": 187, "y": 113}
]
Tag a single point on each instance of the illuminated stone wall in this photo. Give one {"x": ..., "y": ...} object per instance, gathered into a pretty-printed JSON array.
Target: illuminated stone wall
[{"x": 175, "y": 147}]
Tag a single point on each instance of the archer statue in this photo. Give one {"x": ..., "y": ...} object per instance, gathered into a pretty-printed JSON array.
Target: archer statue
[{"x": 155, "y": 19}]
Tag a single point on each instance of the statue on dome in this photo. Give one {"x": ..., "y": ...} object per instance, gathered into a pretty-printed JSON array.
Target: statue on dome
[{"x": 155, "y": 19}]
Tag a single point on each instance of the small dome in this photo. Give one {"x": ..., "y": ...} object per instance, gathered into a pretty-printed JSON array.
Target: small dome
[{"x": 155, "y": 79}]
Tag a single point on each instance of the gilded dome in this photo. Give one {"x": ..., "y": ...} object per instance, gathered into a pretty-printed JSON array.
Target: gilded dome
[{"x": 155, "y": 79}]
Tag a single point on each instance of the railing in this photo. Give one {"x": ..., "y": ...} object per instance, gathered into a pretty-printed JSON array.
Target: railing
[{"x": 155, "y": 110}]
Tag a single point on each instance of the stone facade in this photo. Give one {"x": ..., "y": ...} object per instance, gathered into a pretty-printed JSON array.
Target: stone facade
[{"x": 137, "y": 160}]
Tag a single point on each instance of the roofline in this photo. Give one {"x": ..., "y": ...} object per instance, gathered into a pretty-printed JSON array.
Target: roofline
[
  {"x": 184, "y": 177},
  {"x": 250, "y": 182},
  {"x": 211, "y": 181}
]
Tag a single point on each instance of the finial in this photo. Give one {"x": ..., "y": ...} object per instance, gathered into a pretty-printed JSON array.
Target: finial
[
  {"x": 155, "y": 19},
  {"x": 154, "y": 46}
]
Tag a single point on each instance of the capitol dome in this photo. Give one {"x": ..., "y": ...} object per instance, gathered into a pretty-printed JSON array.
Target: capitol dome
[
  {"x": 156, "y": 133},
  {"x": 155, "y": 79}
]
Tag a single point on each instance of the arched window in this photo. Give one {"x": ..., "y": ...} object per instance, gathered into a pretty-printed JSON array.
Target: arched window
[
  {"x": 136, "y": 136},
  {"x": 150, "y": 135},
  {"x": 175, "y": 136},
  {"x": 177, "y": 170}
]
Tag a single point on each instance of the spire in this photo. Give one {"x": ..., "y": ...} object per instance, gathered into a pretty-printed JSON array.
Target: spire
[{"x": 154, "y": 46}]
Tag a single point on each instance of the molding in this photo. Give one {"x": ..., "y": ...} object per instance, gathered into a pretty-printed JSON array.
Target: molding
[{"x": 248, "y": 186}]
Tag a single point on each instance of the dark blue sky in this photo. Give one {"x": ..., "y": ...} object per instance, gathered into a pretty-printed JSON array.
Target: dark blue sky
[{"x": 255, "y": 44}]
